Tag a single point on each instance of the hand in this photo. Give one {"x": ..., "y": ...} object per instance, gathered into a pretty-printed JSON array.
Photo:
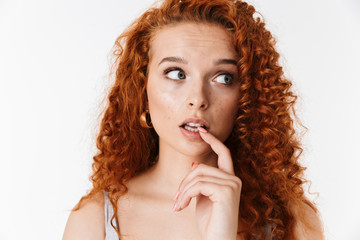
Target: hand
[{"x": 217, "y": 192}]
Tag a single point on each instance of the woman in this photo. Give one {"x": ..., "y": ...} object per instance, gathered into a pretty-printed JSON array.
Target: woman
[{"x": 197, "y": 141}]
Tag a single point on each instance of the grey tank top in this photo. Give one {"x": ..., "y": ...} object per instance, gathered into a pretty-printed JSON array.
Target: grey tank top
[{"x": 110, "y": 233}]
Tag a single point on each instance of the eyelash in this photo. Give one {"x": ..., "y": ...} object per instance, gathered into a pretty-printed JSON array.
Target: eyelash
[
  {"x": 229, "y": 74},
  {"x": 166, "y": 71},
  {"x": 170, "y": 70}
]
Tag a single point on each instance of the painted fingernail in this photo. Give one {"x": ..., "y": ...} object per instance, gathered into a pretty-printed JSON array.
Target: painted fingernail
[
  {"x": 175, "y": 208},
  {"x": 203, "y": 130},
  {"x": 178, "y": 207},
  {"x": 176, "y": 195},
  {"x": 194, "y": 165}
]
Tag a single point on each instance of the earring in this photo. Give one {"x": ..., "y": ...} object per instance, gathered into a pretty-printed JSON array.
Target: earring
[{"x": 145, "y": 120}]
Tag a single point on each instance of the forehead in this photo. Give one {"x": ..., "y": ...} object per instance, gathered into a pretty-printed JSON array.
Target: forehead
[{"x": 191, "y": 38}]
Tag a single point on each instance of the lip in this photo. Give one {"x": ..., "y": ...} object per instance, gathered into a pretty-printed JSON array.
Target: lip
[
  {"x": 193, "y": 135},
  {"x": 196, "y": 120}
]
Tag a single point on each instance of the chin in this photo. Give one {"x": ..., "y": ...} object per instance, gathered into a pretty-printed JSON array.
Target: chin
[{"x": 194, "y": 149}]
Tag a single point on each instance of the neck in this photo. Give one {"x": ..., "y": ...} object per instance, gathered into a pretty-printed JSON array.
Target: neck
[{"x": 172, "y": 166}]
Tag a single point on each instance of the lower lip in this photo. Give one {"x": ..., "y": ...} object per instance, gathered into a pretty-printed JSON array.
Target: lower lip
[{"x": 190, "y": 135}]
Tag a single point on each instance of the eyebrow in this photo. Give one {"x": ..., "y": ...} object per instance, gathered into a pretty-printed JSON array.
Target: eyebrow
[
  {"x": 173, "y": 59},
  {"x": 226, "y": 61},
  {"x": 182, "y": 60}
]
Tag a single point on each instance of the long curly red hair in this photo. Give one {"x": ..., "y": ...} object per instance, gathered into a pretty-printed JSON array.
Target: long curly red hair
[{"x": 263, "y": 143}]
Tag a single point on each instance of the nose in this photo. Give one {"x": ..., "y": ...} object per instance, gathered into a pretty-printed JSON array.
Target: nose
[{"x": 197, "y": 97}]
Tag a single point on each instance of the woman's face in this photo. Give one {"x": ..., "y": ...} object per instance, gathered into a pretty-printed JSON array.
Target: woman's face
[{"x": 192, "y": 80}]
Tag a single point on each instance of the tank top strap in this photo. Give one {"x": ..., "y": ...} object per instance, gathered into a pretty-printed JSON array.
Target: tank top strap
[
  {"x": 268, "y": 229},
  {"x": 110, "y": 233}
]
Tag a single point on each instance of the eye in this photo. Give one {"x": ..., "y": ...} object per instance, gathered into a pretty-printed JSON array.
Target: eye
[
  {"x": 175, "y": 74},
  {"x": 225, "y": 78}
]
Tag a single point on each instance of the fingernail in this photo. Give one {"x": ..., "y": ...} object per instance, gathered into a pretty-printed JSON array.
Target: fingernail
[
  {"x": 176, "y": 195},
  {"x": 203, "y": 130},
  {"x": 175, "y": 207},
  {"x": 194, "y": 165}
]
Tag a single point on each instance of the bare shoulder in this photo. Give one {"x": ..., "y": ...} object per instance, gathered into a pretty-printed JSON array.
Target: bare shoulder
[
  {"x": 88, "y": 222},
  {"x": 308, "y": 224}
]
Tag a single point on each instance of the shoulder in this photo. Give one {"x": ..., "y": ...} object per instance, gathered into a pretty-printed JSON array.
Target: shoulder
[
  {"x": 308, "y": 224},
  {"x": 88, "y": 222}
]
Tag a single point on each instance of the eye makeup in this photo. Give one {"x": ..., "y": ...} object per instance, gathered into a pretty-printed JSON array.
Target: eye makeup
[
  {"x": 177, "y": 74},
  {"x": 170, "y": 73}
]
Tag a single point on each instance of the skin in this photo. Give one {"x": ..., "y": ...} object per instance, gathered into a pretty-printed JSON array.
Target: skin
[
  {"x": 194, "y": 201},
  {"x": 201, "y": 92}
]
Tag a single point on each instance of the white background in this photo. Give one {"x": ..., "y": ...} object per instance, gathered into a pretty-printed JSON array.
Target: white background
[{"x": 54, "y": 65}]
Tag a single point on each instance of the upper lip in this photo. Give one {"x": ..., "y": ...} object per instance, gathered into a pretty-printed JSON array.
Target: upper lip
[{"x": 196, "y": 120}]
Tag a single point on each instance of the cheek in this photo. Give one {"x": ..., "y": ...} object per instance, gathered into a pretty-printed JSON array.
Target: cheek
[
  {"x": 226, "y": 110},
  {"x": 162, "y": 107},
  {"x": 233, "y": 109},
  {"x": 228, "y": 104},
  {"x": 227, "y": 113}
]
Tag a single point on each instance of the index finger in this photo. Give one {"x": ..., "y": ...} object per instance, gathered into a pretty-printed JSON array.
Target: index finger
[{"x": 224, "y": 157}]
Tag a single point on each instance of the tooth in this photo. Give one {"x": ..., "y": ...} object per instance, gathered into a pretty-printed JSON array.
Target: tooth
[
  {"x": 191, "y": 129},
  {"x": 194, "y": 124}
]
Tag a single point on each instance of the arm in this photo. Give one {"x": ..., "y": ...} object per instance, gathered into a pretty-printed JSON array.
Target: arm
[{"x": 88, "y": 222}]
